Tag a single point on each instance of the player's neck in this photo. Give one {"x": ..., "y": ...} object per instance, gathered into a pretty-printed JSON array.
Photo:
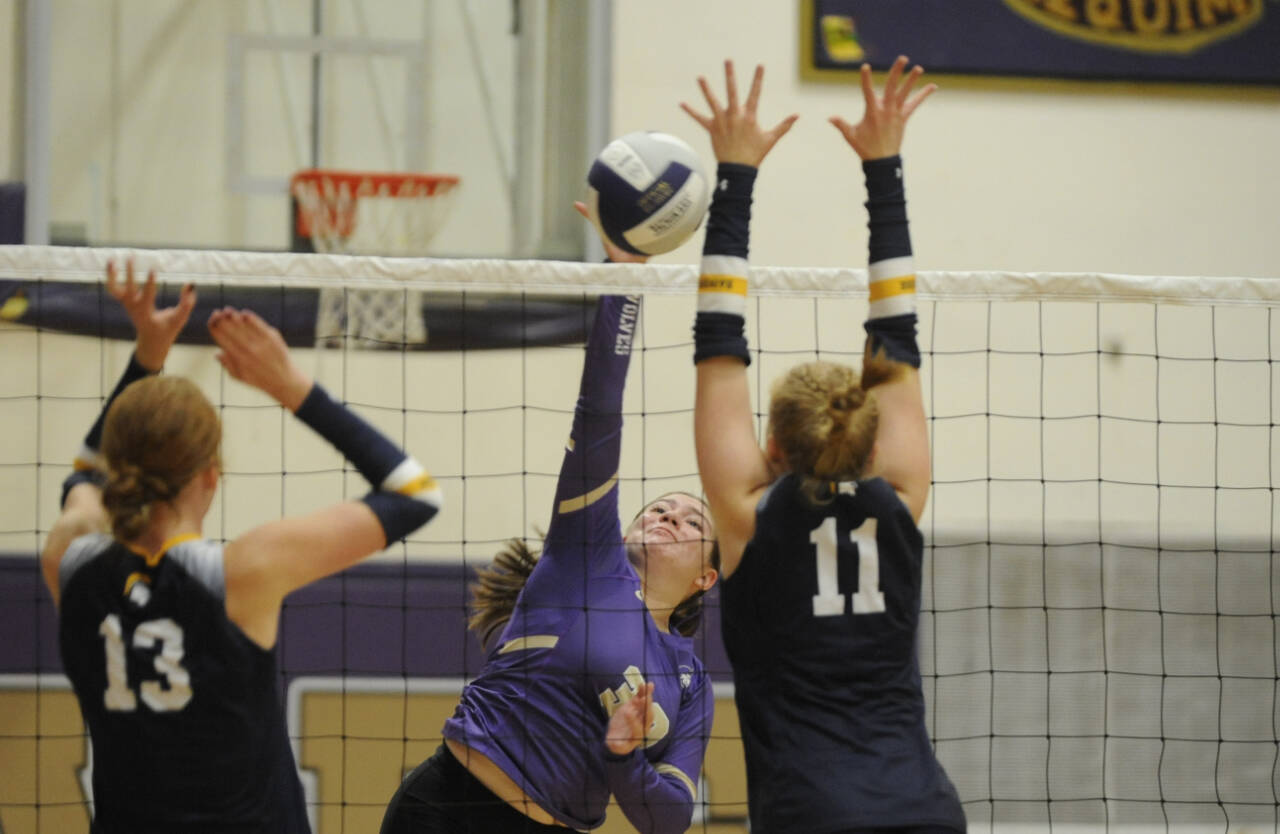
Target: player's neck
[
  {"x": 659, "y": 601},
  {"x": 169, "y": 522},
  {"x": 660, "y": 607}
]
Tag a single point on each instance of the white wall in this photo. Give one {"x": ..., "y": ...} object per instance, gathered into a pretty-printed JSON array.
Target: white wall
[
  {"x": 1026, "y": 176},
  {"x": 10, "y": 88},
  {"x": 139, "y": 112},
  {"x": 1017, "y": 175}
]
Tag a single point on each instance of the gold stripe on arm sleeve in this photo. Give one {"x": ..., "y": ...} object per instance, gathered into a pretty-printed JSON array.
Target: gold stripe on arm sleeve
[
  {"x": 679, "y": 774},
  {"x": 892, "y": 287},
  {"x": 570, "y": 505},
  {"x": 722, "y": 287},
  {"x": 529, "y": 641}
]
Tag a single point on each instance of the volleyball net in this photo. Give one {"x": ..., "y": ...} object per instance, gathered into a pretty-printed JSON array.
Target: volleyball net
[{"x": 1098, "y": 638}]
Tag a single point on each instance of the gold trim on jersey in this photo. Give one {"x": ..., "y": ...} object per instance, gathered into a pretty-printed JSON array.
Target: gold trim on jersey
[
  {"x": 135, "y": 577},
  {"x": 529, "y": 641},
  {"x": 570, "y": 505},
  {"x": 153, "y": 559},
  {"x": 679, "y": 774}
]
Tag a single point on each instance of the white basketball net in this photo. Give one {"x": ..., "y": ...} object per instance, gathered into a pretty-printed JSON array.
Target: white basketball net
[{"x": 371, "y": 214}]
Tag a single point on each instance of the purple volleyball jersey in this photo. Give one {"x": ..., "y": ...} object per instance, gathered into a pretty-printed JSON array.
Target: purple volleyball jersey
[{"x": 580, "y": 642}]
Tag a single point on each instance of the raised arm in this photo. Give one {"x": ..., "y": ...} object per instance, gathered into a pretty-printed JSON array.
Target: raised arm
[
  {"x": 157, "y": 330},
  {"x": 733, "y": 468},
  {"x": 892, "y": 358},
  {"x": 266, "y": 563},
  {"x": 585, "y": 514},
  {"x": 659, "y": 796}
]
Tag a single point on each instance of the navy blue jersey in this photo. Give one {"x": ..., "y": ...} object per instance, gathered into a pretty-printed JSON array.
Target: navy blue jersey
[
  {"x": 182, "y": 708},
  {"x": 820, "y": 622}
]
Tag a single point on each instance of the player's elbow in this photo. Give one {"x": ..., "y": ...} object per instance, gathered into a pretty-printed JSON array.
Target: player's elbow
[
  {"x": 75, "y": 521},
  {"x": 672, "y": 819},
  {"x": 400, "y": 514},
  {"x": 80, "y": 520},
  {"x": 668, "y": 811}
]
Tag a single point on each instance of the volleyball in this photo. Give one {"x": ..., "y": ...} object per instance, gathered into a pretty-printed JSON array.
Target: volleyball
[{"x": 647, "y": 192}]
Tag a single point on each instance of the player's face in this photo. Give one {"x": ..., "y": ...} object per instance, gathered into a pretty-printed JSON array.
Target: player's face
[{"x": 672, "y": 534}]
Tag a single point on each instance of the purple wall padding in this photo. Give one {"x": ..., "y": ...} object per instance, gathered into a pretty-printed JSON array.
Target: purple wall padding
[{"x": 370, "y": 621}]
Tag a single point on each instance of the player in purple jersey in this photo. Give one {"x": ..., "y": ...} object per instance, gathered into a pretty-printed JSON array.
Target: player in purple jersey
[
  {"x": 168, "y": 638},
  {"x": 818, "y": 531},
  {"x": 590, "y": 686}
]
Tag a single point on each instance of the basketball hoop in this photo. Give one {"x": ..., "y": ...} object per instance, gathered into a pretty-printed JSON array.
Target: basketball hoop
[
  {"x": 368, "y": 213},
  {"x": 365, "y": 213}
]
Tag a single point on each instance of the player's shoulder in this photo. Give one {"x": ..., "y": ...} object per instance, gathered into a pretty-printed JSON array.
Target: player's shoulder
[
  {"x": 786, "y": 501},
  {"x": 81, "y": 552},
  {"x": 201, "y": 559},
  {"x": 878, "y": 495},
  {"x": 778, "y": 496}
]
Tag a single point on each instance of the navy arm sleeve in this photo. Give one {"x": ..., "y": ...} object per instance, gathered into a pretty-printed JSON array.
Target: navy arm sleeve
[
  {"x": 89, "y": 465},
  {"x": 722, "y": 286},
  {"x": 404, "y": 495},
  {"x": 891, "y": 321}
]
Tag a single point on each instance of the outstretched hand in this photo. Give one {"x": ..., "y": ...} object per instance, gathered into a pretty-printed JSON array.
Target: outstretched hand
[
  {"x": 628, "y": 725},
  {"x": 254, "y": 352},
  {"x": 879, "y": 134},
  {"x": 611, "y": 250},
  {"x": 157, "y": 329},
  {"x": 736, "y": 136}
]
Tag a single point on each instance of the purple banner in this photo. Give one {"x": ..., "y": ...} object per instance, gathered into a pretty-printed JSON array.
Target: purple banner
[{"x": 1221, "y": 41}]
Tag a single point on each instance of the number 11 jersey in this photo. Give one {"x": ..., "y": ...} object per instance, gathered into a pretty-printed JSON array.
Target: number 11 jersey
[
  {"x": 820, "y": 622},
  {"x": 182, "y": 707}
]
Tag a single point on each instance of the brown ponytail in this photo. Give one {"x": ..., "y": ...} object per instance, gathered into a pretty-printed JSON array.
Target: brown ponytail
[
  {"x": 158, "y": 435},
  {"x": 494, "y": 593},
  {"x": 824, "y": 423}
]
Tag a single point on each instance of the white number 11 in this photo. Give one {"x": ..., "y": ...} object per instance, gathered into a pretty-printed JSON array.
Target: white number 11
[{"x": 829, "y": 602}]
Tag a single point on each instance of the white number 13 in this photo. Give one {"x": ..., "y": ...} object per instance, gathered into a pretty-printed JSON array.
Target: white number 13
[
  {"x": 829, "y": 602},
  {"x": 119, "y": 697}
]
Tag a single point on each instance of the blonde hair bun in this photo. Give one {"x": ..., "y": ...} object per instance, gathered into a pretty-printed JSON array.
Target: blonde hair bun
[{"x": 823, "y": 421}]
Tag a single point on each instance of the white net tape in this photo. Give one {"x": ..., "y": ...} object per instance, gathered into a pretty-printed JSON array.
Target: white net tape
[{"x": 66, "y": 263}]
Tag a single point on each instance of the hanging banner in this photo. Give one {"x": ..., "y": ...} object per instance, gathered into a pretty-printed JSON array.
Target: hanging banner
[{"x": 1221, "y": 41}]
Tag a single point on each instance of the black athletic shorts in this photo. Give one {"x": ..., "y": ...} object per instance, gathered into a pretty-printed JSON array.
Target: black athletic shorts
[{"x": 441, "y": 796}]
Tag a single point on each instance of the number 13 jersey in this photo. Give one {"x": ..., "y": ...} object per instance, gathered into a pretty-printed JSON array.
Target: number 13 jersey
[
  {"x": 182, "y": 707},
  {"x": 820, "y": 622}
]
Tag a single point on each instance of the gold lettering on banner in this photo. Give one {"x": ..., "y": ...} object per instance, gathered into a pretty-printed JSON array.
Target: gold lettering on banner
[
  {"x": 1104, "y": 14},
  {"x": 1183, "y": 20},
  {"x": 1174, "y": 27},
  {"x": 1062, "y": 8},
  {"x": 1149, "y": 21}
]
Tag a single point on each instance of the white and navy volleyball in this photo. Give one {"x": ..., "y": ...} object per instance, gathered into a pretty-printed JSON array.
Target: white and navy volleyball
[{"x": 647, "y": 192}]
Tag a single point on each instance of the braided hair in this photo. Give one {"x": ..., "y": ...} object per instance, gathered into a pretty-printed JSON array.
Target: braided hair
[
  {"x": 158, "y": 435},
  {"x": 824, "y": 423}
]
